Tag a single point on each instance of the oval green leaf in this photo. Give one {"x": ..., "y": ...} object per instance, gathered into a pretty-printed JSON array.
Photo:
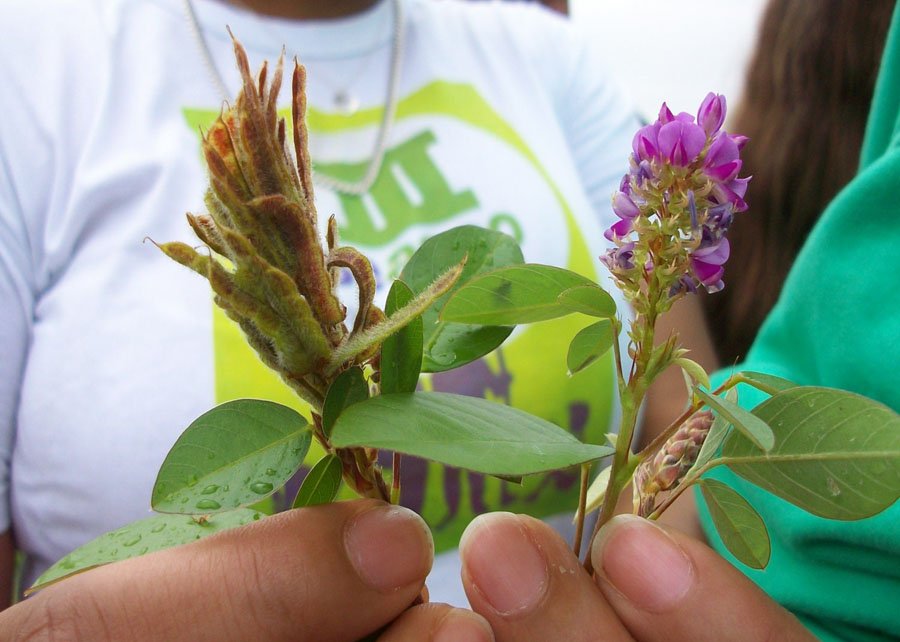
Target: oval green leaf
[
  {"x": 450, "y": 345},
  {"x": 755, "y": 428},
  {"x": 742, "y": 530},
  {"x": 401, "y": 353},
  {"x": 466, "y": 432},
  {"x": 322, "y": 483},
  {"x": 231, "y": 456},
  {"x": 146, "y": 536},
  {"x": 589, "y": 299},
  {"x": 589, "y": 344},
  {"x": 512, "y": 295},
  {"x": 837, "y": 454},
  {"x": 347, "y": 389}
]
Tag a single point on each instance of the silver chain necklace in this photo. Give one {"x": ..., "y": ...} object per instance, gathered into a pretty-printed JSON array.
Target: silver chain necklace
[{"x": 390, "y": 108}]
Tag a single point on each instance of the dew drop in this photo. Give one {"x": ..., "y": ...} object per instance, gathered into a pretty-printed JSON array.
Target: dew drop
[
  {"x": 208, "y": 504},
  {"x": 184, "y": 500},
  {"x": 270, "y": 472},
  {"x": 192, "y": 480},
  {"x": 132, "y": 541},
  {"x": 144, "y": 550},
  {"x": 209, "y": 490},
  {"x": 261, "y": 488},
  {"x": 159, "y": 528}
]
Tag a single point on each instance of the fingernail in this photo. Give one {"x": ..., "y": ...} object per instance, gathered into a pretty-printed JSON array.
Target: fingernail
[
  {"x": 502, "y": 563},
  {"x": 643, "y": 563},
  {"x": 463, "y": 626},
  {"x": 389, "y": 546}
]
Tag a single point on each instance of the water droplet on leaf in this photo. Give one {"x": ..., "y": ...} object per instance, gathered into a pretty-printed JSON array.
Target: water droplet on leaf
[
  {"x": 261, "y": 488},
  {"x": 132, "y": 541},
  {"x": 208, "y": 504},
  {"x": 209, "y": 490},
  {"x": 158, "y": 528},
  {"x": 270, "y": 472}
]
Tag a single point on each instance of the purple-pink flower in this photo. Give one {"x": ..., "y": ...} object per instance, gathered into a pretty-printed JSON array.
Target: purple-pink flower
[{"x": 683, "y": 185}]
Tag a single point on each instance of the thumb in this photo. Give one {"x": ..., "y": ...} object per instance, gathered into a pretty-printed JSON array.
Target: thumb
[
  {"x": 333, "y": 572},
  {"x": 668, "y": 587}
]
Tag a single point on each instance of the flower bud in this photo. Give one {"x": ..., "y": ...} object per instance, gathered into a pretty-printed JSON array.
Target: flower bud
[
  {"x": 665, "y": 470},
  {"x": 711, "y": 114}
]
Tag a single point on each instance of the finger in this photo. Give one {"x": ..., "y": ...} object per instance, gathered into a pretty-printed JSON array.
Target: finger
[
  {"x": 526, "y": 582},
  {"x": 333, "y": 572},
  {"x": 438, "y": 623},
  {"x": 668, "y": 587}
]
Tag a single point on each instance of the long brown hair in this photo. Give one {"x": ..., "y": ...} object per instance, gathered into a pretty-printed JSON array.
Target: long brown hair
[{"x": 805, "y": 102}]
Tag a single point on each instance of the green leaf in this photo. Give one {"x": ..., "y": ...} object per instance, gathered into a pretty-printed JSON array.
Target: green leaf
[
  {"x": 348, "y": 388},
  {"x": 716, "y": 435},
  {"x": 466, "y": 432},
  {"x": 231, "y": 456},
  {"x": 694, "y": 370},
  {"x": 450, "y": 345},
  {"x": 511, "y": 295},
  {"x": 767, "y": 383},
  {"x": 755, "y": 428},
  {"x": 588, "y": 299},
  {"x": 837, "y": 454},
  {"x": 589, "y": 344},
  {"x": 146, "y": 536},
  {"x": 401, "y": 353},
  {"x": 322, "y": 483},
  {"x": 741, "y": 528}
]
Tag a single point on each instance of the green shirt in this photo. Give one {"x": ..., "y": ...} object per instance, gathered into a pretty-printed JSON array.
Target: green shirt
[{"x": 837, "y": 324}]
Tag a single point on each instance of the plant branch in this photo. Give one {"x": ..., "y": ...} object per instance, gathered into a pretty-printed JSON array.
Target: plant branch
[{"x": 582, "y": 509}]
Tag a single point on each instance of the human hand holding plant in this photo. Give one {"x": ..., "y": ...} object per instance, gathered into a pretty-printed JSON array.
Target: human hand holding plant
[{"x": 278, "y": 282}]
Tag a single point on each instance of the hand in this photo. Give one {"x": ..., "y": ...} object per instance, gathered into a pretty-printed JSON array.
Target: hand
[
  {"x": 335, "y": 572},
  {"x": 651, "y": 584}
]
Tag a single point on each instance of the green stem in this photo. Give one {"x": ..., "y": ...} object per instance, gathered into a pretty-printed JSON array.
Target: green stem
[
  {"x": 632, "y": 395},
  {"x": 582, "y": 509}
]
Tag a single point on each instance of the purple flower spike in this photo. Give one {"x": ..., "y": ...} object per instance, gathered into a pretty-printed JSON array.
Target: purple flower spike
[
  {"x": 711, "y": 115},
  {"x": 680, "y": 142}
]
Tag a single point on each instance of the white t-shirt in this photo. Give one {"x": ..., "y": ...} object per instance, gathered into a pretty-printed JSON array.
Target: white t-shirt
[{"x": 108, "y": 350}]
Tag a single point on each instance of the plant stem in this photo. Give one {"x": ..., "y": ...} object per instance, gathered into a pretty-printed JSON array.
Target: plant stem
[
  {"x": 395, "y": 478},
  {"x": 582, "y": 509},
  {"x": 632, "y": 396}
]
